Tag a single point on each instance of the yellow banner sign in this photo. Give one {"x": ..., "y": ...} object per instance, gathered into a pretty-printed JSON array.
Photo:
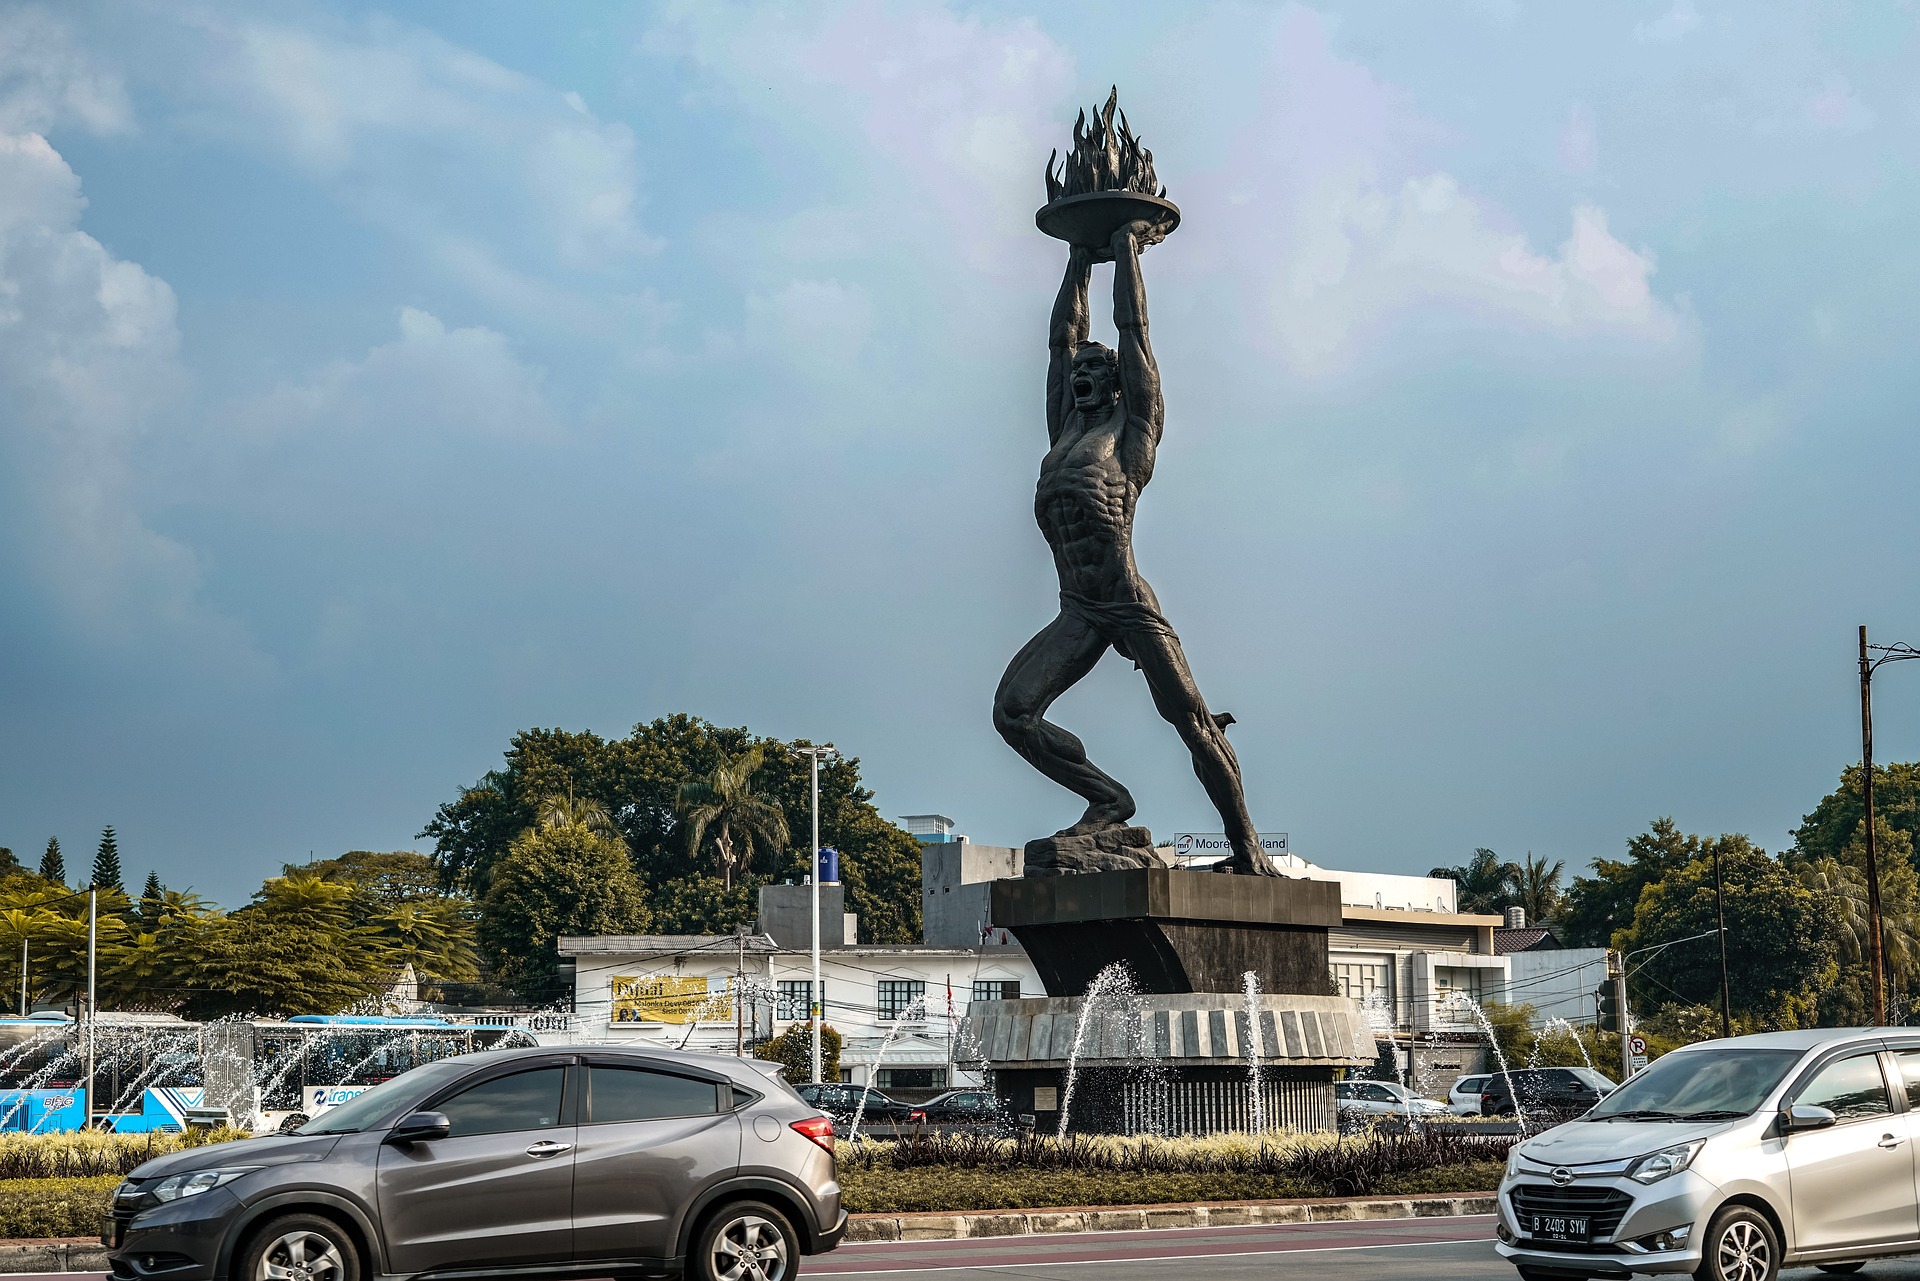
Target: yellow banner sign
[{"x": 669, "y": 999}]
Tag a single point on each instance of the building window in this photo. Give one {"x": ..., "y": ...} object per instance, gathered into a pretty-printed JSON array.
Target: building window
[
  {"x": 897, "y": 996},
  {"x": 996, "y": 989},
  {"x": 1362, "y": 978},
  {"x": 793, "y": 999}
]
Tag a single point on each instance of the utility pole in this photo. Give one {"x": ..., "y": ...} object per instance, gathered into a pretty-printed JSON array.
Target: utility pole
[
  {"x": 1873, "y": 863},
  {"x": 23, "y": 976},
  {"x": 739, "y": 993},
  {"x": 1617, "y": 973},
  {"x": 1719, "y": 911},
  {"x": 93, "y": 938},
  {"x": 816, "y": 997}
]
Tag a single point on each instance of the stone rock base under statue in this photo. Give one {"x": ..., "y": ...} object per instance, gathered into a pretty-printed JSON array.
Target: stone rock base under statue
[{"x": 1112, "y": 850}]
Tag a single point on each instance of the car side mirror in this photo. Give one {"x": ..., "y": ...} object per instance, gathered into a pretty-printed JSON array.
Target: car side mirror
[
  {"x": 1805, "y": 1116},
  {"x": 418, "y": 1127}
]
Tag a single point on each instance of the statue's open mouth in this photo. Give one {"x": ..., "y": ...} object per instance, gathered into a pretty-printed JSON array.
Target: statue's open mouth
[{"x": 1082, "y": 388}]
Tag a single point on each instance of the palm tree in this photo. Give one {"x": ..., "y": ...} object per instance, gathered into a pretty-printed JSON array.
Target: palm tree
[
  {"x": 724, "y": 804},
  {"x": 562, "y": 811},
  {"x": 1535, "y": 887},
  {"x": 1484, "y": 883}
]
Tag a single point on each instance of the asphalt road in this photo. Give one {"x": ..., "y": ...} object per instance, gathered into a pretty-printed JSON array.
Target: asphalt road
[{"x": 1453, "y": 1249}]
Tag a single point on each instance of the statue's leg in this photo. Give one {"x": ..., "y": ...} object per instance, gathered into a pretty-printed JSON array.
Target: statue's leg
[
  {"x": 1162, "y": 662},
  {"x": 1045, "y": 668}
]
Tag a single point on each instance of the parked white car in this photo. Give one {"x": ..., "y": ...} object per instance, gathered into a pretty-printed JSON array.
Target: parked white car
[
  {"x": 1381, "y": 1098},
  {"x": 1729, "y": 1160},
  {"x": 1464, "y": 1098}
]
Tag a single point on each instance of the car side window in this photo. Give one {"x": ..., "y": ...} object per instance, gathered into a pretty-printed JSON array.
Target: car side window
[
  {"x": 1850, "y": 1088},
  {"x": 1910, "y": 1077},
  {"x": 636, "y": 1094},
  {"x": 1379, "y": 1094},
  {"x": 522, "y": 1101}
]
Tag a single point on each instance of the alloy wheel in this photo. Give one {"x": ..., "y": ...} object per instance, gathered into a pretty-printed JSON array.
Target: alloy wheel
[
  {"x": 750, "y": 1249},
  {"x": 301, "y": 1256},
  {"x": 1744, "y": 1253}
]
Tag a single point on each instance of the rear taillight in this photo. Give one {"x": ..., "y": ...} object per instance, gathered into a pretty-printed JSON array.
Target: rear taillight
[
  {"x": 916, "y": 1116},
  {"x": 817, "y": 1128}
]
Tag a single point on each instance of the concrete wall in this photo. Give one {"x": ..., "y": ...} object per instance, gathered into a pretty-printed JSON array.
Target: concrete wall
[
  {"x": 1557, "y": 983},
  {"x": 785, "y": 913},
  {"x": 954, "y": 881}
]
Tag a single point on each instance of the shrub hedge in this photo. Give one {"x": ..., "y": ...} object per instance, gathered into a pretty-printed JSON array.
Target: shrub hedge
[
  {"x": 88, "y": 1153},
  {"x": 54, "y": 1207},
  {"x": 956, "y": 1173}
]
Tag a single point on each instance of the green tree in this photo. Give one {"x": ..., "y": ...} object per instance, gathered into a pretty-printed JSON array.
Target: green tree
[
  {"x": 723, "y": 804},
  {"x": 106, "y": 862},
  {"x": 1535, "y": 888},
  {"x": 1483, "y": 883},
  {"x": 293, "y": 950},
  {"x": 637, "y": 780},
  {"x": 1600, "y": 906},
  {"x": 9, "y": 865},
  {"x": 400, "y": 876},
  {"x": 53, "y": 867},
  {"x": 793, "y": 1050},
  {"x": 1835, "y": 821},
  {"x": 554, "y": 881},
  {"x": 1782, "y": 948},
  {"x": 434, "y": 935},
  {"x": 152, "y": 895}
]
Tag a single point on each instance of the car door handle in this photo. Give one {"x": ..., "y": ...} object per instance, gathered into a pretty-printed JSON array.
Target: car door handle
[
  {"x": 1888, "y": 1141},
  {"x": 547, "y": 1147}
]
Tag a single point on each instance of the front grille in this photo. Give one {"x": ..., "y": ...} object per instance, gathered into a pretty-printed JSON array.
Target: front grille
[{"x": 1604, "y": 1206}]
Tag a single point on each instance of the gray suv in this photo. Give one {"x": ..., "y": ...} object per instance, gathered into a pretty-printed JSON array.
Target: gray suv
[{"x": 592, "y": 1162}]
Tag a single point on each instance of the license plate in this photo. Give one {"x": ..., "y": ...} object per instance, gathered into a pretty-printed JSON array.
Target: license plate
[{"x": 1555, "y": 1227}]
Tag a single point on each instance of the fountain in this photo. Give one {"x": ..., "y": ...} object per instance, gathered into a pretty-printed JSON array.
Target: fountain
[
  {"x": 915, "y": 1010},
  {"x": 1256, "y": 1100},
  {"x": 1461, "y": 1001},
  {"x": 1110, "y": 984}
]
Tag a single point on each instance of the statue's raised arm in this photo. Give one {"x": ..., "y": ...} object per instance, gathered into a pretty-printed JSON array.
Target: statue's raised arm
[
  {"x": 1139, "y": 374},
  {"x": 1066, "y": 330}
]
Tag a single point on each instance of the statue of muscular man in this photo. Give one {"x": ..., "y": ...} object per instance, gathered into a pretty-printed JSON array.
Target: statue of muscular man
[{"x": 1104, "y": 417}]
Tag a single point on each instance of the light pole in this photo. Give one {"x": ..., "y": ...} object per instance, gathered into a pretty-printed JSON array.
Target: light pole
[
  {"x": 1720, "y": 912},
  {"x": 93, "y": 924},
  {"x": 816, "y": 1002},
  {"x": 1876, "y": 945}
]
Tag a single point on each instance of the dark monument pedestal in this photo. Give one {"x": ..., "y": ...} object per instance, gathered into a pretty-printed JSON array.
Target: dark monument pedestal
[{"x": 1177, "y": 931}]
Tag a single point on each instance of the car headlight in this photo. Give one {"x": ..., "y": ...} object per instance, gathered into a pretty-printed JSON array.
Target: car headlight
[
  {"x": 1658, "y": 1165},
  {"x": 1513, "y": 1161},
  {"x": 185, "y": 1185}
]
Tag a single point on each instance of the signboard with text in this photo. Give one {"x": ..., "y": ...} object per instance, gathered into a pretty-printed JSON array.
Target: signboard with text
[{"x": 1215, "y": 845}]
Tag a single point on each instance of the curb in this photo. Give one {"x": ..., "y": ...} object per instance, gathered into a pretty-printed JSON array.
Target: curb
[
  {"x": 1216, "y": 1214},
  {"x": 75, "y": 1254}
]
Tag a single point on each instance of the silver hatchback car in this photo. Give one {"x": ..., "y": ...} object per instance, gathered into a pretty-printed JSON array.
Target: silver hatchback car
[
  {"x": 538, "y": 1162},
  {"x": 1729, "y": 1160}
]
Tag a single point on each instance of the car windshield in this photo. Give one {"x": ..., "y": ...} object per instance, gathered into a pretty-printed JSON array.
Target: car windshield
[
  {"x": 366, "y": 1109},
  {"x": 1698, "y": 1084}
]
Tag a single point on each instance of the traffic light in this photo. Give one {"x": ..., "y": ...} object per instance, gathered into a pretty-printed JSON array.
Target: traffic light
[{"x": 1609, "y": 1007}]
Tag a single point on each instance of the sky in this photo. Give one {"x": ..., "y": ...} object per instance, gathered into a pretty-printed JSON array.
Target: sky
[{"x": 376, "y": 381}]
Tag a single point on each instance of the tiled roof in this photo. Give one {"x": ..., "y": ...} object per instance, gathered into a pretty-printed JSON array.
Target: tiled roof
[{"x": 1534, "y": 938}]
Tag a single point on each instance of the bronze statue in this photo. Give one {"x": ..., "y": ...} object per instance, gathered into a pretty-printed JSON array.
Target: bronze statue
[{"x": 1104, "y": 417}]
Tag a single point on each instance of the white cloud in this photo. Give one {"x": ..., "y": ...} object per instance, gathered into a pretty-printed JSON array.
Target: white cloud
[
  {"x": 45, "y": 77},
  {"x": 429, "y": 140},
  {"x": 88, "y": 346},
  {"x": 1675, "y": 24},
  {"x": 429, "y": 380},
  {"x": 1357, "y": 234},
  {"x": 817, "y": 326}
]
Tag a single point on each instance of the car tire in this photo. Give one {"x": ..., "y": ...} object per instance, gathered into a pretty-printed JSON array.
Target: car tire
[
  {"x": 1740, "y": 1245},
  {"x": 735, "y": 1230},
  {"x": 321, "y": 1245}
]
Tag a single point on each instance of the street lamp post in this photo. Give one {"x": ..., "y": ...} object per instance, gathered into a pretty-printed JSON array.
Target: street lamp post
[
  {"x": 1876, "y": 944},
  {"x": 817, "y": 999},
  {"x": 1720, "y": 912}
]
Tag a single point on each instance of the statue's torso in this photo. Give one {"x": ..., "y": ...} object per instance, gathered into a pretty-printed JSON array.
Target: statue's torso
[{"x": 1084, "y": 504}]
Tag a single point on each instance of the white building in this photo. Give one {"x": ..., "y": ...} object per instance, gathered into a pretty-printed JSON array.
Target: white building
[{"x": 680, "y": 991}]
